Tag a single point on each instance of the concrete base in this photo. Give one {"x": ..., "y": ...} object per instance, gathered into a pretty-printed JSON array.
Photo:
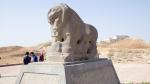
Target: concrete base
[{"x": 88, "y": 72}]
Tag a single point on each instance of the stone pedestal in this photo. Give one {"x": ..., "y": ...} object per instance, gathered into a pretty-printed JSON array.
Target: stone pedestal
[{"x": 88, "y": 72}]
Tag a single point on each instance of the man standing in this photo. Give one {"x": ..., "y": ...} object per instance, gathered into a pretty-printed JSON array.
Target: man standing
[
  {"x": 26, "y": 59},
  {"x": 35, "y": 58},
  {"x": 41, "y": 57}
]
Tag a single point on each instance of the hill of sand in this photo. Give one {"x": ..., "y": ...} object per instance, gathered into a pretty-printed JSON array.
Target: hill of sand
[
  {"x": 11, "y": 54},
  {"x": 131, "y": 43},
  {"x": 14, "y": 54},
  {"x": 124, "y": 50},
  {"x": 127, "y": 50}
]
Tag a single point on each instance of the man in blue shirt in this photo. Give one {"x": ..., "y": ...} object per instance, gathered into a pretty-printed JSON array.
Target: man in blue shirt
[{"x": 35, "y": 58}]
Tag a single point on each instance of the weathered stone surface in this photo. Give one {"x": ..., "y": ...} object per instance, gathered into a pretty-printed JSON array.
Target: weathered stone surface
[
  {"x": 94, "y": 72},
  {"x": 38, "y": 78},
  {"x": 72, "y": 39},
  {"x": 87, "y": 72},
  {"x": 74, "y": 51},
  {"x": 42, "y": 73}
]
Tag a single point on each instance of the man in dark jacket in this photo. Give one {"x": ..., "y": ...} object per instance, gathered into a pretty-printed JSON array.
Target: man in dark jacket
[{"x": 26, "y": 59}]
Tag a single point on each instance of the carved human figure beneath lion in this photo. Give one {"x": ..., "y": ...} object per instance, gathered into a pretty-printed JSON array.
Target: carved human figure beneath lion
[{"x": 72, "y": 39}]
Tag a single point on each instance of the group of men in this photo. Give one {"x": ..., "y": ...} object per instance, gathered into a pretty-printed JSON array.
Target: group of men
[{"x": 32, "y": 57}]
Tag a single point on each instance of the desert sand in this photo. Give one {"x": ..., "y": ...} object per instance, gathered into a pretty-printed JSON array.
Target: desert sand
[
  {"x": 131, "y": 58},
  {"x": 126, "y": 50}
]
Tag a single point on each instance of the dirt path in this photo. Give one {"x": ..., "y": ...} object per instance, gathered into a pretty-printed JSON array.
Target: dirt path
[
  {"x": 136, "y": 73},
  {"x": 127, "y": 73}
]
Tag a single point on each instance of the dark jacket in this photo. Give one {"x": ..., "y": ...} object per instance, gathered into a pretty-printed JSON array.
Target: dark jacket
[{"x": 26, "y": 59}]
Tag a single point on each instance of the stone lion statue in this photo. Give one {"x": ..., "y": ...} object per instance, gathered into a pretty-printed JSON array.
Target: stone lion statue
[{"x": 72, "y": 39}]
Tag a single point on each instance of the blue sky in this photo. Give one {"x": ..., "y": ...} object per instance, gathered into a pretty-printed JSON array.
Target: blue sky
[{"x": 24, "y": 22}]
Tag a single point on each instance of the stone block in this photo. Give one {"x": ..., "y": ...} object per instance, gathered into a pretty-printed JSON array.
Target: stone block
[{"x": 86, "y": 72}]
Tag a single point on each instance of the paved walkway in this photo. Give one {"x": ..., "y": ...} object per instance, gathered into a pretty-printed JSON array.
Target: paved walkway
[
  {"x": 127, "y": 73},
  {"x": 136, "y": 73},
  {"x": 9, "y": 74}
]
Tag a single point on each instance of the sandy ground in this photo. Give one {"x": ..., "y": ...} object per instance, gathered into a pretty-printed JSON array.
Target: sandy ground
[
  {"x": 127, "y": 73},
  {"x": 133, "y": 73}
]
